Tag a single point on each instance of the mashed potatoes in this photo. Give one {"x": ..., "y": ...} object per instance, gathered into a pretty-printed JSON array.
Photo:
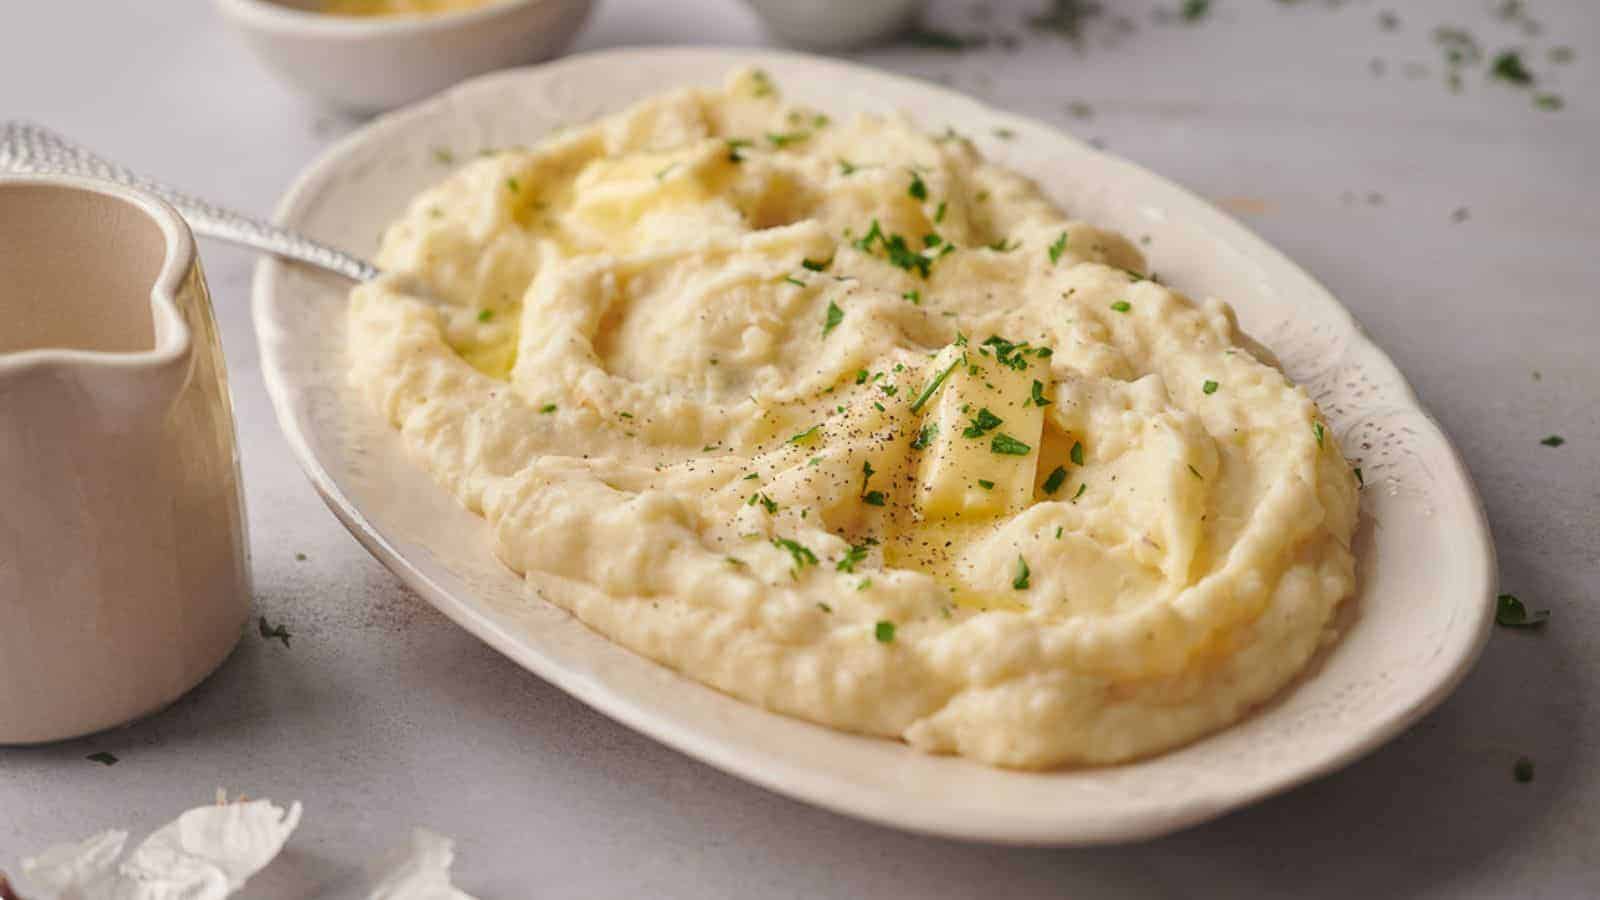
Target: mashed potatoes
[{"x": 843, "y": 421}]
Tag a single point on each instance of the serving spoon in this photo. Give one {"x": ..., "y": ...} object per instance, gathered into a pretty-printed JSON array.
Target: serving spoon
[{"x": 28, "y": 149}]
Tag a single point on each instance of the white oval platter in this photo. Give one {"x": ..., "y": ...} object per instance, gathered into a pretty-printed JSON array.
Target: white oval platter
[{"x": 1426, "y": 565}]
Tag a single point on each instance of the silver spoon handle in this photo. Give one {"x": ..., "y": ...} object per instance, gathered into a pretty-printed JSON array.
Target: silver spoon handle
[{"x": 29, "y": 149}]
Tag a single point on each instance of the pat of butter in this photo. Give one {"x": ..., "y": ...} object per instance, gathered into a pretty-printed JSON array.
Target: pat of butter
[{"x": 980, "y": 457}]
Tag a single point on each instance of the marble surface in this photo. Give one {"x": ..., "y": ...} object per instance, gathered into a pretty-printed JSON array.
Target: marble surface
[{"x": 1459, "y": 227}]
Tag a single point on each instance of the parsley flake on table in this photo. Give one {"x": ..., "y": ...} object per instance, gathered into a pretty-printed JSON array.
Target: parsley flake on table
[
  {"x": 1510, "y": 613},
  {"x": 1522, "y": 770},
  {"x": 270, "y": 632},
  {"x": 1554, "y": 440},
  {"x": 1020, "y": 582},
  {"x": 103, "y": 758}
]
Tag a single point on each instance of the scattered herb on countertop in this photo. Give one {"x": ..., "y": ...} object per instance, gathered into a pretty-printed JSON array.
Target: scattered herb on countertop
[
  {"x": 270, "y": 632},
  {"x": 1510, "y": 613},
  {"x": 1554, "y": 440},
  {"x": 103, "y": 758},
  {"x": 1522, "y": 770}
]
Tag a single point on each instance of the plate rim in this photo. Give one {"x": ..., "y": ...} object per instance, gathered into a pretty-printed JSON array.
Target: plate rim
[{"x": 776, "y": 775}]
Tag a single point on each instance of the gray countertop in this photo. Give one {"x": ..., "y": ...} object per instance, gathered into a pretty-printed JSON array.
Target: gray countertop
[{"x": 1461, "y": 228}]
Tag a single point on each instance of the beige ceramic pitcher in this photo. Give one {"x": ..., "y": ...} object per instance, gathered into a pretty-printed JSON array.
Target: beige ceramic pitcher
[{"x": 124, "y": 576}]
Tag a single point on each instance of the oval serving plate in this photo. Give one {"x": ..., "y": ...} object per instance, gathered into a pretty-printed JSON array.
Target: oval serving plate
[{"x": 1425, "y": 563}]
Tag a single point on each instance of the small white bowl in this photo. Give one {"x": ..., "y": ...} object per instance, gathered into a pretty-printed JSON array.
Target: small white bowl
[
  {"x": 372, "y": 64},
  {"x": 836, "y": 24}
]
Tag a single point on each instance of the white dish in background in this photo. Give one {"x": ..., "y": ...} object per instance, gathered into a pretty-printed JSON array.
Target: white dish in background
[
  {"x": 371, "y": 64},
  {"x": 1425, "y": 565}
]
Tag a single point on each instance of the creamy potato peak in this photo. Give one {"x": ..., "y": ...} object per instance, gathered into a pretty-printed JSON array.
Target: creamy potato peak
[{"x": 844, "y": 421}]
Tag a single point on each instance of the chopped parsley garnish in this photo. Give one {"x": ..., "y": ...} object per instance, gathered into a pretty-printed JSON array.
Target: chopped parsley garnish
[
  {"x": 924, "y": 437},
  {"x": 1021, "y": 581},
  {"x": 986, "y": 484},
  {"x": 1522, "y": 770},
  {"x": 1057, "y": 248},
  {"x": 866, "y": 475},
  {"x": 861, "y": 376},
  {"x": 1551, "y": 102},
  {"x": 931, "y": 240},
  {"x": 1319, "y": 431},
  {"x": 766, "y": 502},
  {"x": 794, "y": 281},
  {"x": 889, "y": 390},
  {"x": 1006, "y": 445},
  {"x": 785, "y": 139},
  {"x": 918, "y": 190},
  {"x": 874, "y": 498},
  {"x": 734, "y": 146},
  {"x": 1058, "y": 532},
  {"x": 443, "y": 155},
  {"x": 1007, "y": 353},
  {"x": 103, "y": 758},
  {"x": 547, "y": 409},
  {"x": 1057, "y": 477},
  {"x": 914, "y": 295},
  {"x": 855, "y": 554},
  {"x": 1360, "y": 482},
  {"x": 1002, "y": 245},
  {"x": 1194, "y": 10},
  {"x": 1554, "y": 440},
  {"x": 927, "y": 392},
  {"x": 825, "y": 607},
  {"x": 512, "y": 186},
  {"x": 983, "y": 423},
  {"x": 625, "y": 414},
  {"x": 485, "y": 315},
  {"x": 816, "y": 265},
  {"x": 938, "y": 214},
  {"x": 884, "y": 632},
  {"x": 1210, "y": 387},
  {"x": 1004, "y": 134},
  {"x": 1076, "y": 455},
  {"x": 1037, "y": 395},
  {"x": 846, "y": 167},
  {"x": 1082, "y": 486},
  {"x": 804, "y": 436},
  {"x": 763, "y": 86},
  {"x": 272, "y": 631},
  {"x": 751, "y": 477},
  {"x": 1510, "y": 613},
  {"x": 831, "y": 320},
  {"x": 1122, "y": 306},
  {"x": 802, "y": 554}
]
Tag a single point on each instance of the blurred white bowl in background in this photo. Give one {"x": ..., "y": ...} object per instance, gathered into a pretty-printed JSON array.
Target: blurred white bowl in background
[
  {"x": 372, "y": 64},
  {"x": 835, "y": 24}
]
